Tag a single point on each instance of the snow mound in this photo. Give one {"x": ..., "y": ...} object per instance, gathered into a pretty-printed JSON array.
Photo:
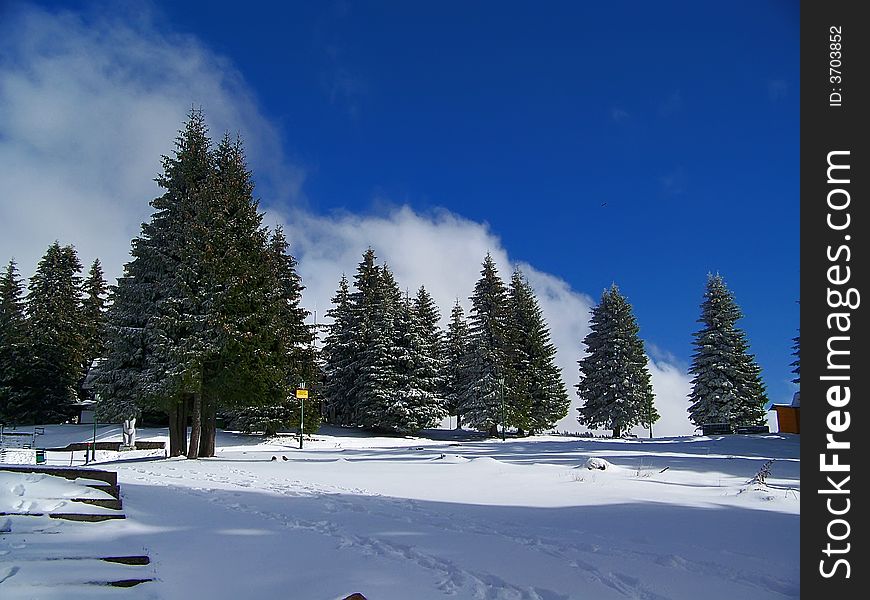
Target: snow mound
[
  {"x": 450, "y": 458},
  {"x": 597, "y": 463},
  {"x": 486, "y": 462}
]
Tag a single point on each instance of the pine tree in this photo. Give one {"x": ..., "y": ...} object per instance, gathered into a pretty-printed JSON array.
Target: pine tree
[
  {"x": 340, "y": 355},
  {"x": 455, "y": 353},
  {"x": 419, "y": 362},
  {"x": 93, "y": 308},
  {"x": 207, "y": 315},
  {"x": 727, "y": 386},
  {"x": 379, "y": 405},
  {"x": 55, "y": 334},
  {"x": 536, "y": 394},
  {"x": 257, "y": 344},
  {"x": 169, "y": 321},
  {"x": 289, "y": 350},
  {"x": 614, "y": 383},
  {"x": 15, "y": 397},
  {"x": 430, "y": 373},
  {"x": 486, "y": 362},
  {"x": 371, "y": 343}
]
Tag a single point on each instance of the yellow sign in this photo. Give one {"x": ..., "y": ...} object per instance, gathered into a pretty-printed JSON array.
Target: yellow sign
[{"x": 301, "y": 393}]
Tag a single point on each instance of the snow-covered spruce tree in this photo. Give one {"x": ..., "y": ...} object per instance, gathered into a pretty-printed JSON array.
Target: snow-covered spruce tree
[
  {"x": 126, "y": 382},
  {"x": 614, "y": 383},
  {"x": 340, "y": 354},
  {"x": 486, "y": 362},
  {"x": 418, "y": 366},
  {"x": 536, "y": 394},
  {"x": 15, "y": 396},
  {"x": 455, "y": 352},
  {"x": 182, "y": 325},
  {"x": 55, "y": 333},
  {"x": 368, "y": 321},
  {"x": 191, "y": 327},
  {"x": 726, "y": 384},
  {"x": 151, "y": 359},
  {"x": 431, "y": 371},
  {"x": 93, "y": 307},
  {"x": 379, "y": 404}
]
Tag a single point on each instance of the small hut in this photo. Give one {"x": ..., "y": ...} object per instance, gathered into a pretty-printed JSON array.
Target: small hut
[{"x": 788, "y": 416}]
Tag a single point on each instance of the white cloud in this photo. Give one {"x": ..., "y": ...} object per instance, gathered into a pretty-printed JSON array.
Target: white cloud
[{"x": 89, "y": 106}]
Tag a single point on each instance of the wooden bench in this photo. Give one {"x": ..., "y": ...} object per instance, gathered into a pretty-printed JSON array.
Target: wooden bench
[
  {"x": 716, "y": 429},
  {"x": 753, "y": 429}
]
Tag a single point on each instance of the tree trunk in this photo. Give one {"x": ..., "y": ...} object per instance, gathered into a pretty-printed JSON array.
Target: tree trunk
[
  {"x": 195, "y": 426},
  {"x": 458, "y": 421},
  {"x": 178, "y": 427},
  {"x": 174, "y": 438},
  {"x": 493, "y": 430},
  {"x": 209, "y": 415},
  {"x": 520, "y": 432},
  {"x": 617, "y": 431},
  {"x": 183, "y": 409}
]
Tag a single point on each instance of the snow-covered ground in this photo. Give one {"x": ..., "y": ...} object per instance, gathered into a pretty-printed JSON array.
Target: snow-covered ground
[{"x": 400, "y": 518}]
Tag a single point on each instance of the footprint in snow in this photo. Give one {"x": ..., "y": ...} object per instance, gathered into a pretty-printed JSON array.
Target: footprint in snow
[{"x": 18, "y": 490}]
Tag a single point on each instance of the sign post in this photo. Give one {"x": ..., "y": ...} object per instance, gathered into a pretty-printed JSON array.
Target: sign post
[{"x": 301, "y": 395}]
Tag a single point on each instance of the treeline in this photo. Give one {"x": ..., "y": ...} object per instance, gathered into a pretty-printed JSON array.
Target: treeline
[
  {"x": 49, "y": 336},
  {"x": 207, "y": 314},
  {"x": 206, "y": 318},
  {"x": 388, "y": 365}
]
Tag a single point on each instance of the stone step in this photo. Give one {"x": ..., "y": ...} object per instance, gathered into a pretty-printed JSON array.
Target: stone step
[
  {"x": 113, "y": 490},
  {"x": 88, "y": 518},
  {"x": 109, "y": 477},
  {"x": 112, "y": 503}
]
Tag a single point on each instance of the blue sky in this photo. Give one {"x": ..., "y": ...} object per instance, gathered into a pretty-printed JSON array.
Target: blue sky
[{"x": 640, "y": 143}]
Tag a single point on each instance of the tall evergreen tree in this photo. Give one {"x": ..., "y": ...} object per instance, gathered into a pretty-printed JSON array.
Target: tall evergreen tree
[
  {"x": 340, "y": 353},
  {"x": 426, "y": 315},
  {"x": 55, "y": 333},
  {"x": 379, "y": 404},
  {"x": 537, "y": 397},
  {"x": 207, "y": 313},
  {"x": 614, "y": 383},
  {"x": 93, "y": 308},
  {"x": 290, "y": 360},
  {"x": 486, "y": 363},
  {"x": 253, "y": 295},
  {"x": 455, "y": 353},
  {"x": 419, "y": 364},
  {"x": 371, "y": 341},
  {"x": 726, "y": 384},
  {"x": 15, "y": 396}
]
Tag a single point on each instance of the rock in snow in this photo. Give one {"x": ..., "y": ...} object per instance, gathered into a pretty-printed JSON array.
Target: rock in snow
[{"x": 597, "y": 463}]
